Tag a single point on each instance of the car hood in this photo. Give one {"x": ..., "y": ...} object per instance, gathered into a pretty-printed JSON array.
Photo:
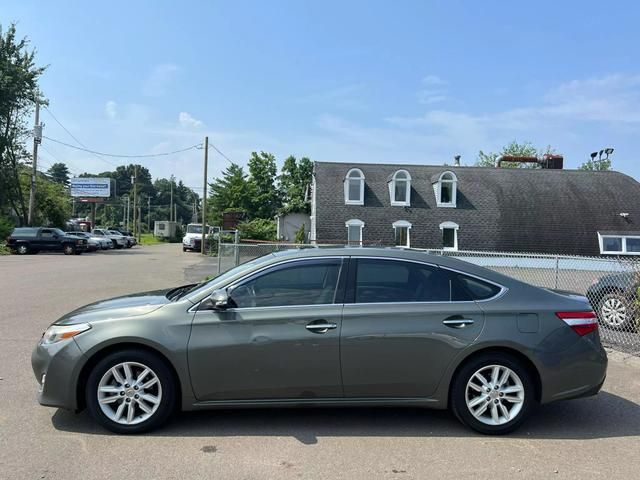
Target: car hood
[{"x": 119, "y": 307}]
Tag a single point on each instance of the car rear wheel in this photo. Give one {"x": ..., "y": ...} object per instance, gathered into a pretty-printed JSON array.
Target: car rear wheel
[
  {"x": 493, "y": 394},
  {"x": 22, "y": 249},
  {"x": 130, "y": 392},
  {"x": 69, "y": 249},
  {"x": 617, "y": 312}
]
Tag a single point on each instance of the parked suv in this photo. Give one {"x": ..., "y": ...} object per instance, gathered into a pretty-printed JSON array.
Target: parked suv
[{"x": 25, "y": 240}]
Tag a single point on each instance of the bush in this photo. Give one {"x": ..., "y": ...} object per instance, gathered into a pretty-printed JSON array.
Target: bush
[
  {"x": 300, "y": 235},
  {"x": 258, "y": 229},
  {"x": 177, "y": 237},
  {"x": 6, "y": 227}
]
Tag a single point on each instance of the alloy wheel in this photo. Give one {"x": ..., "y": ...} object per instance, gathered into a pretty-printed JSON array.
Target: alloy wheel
[
  {"x": 494, "y": 395},
  {"x": 129, "y": 393}
]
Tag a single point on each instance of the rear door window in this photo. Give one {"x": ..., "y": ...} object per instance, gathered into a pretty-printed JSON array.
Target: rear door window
[{"x": 390, "y": 281}]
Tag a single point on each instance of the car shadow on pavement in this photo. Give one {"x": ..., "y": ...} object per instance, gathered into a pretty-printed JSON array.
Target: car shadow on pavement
[{"x": 603, "y": 416}]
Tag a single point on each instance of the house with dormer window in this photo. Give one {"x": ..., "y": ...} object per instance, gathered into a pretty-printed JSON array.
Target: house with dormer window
[{"x": 541, "y": 210}]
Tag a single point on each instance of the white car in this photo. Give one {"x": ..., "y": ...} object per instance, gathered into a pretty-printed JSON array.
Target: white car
[
  {"x": 118, "y": 240},
  {"x": 101, "y": 243}
]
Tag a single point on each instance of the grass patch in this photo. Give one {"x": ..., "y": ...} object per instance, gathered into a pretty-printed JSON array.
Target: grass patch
[
  {"x": 4, "y": 250},
  {"x": 149, "y": 239}
]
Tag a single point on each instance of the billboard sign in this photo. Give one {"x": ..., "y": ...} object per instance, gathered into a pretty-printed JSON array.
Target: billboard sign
[{"x": 91, "y": 187}]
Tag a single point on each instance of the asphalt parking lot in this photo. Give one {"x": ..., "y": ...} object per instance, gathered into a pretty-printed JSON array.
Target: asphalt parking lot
[{"x": 588, "y": 438}]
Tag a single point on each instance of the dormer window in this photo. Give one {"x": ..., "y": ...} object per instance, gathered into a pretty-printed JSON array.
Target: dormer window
[
  {"x": 400, "y": 188},
  {"x": 354, "y": 187},
  {"x": 446, "y": 190}
]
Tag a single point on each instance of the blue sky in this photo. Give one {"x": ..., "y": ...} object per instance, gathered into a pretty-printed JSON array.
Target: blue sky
[{"x": 398, "y": 82}]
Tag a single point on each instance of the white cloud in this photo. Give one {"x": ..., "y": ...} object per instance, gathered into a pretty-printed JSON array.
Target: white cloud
[
  {"x": 160, "y": 79},
  {"x": 111, "y": 109},
  {"x": 434, "y": 90},
  {"x": 187, "y": 121}
]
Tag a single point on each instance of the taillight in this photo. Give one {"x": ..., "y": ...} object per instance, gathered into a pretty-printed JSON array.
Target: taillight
[{"x": 580, "y": 322}]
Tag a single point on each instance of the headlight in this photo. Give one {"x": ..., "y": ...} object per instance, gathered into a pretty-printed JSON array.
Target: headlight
[{"x": 57, "y": 333}]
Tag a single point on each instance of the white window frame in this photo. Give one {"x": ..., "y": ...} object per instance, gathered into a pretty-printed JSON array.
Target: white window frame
[
  {"x": 354, "y": 222},
  {"x": 392, "y": 189},
  {"x": 602, "y": 236},
  {"x": 402, "y": 224},
  {"x": 454, "y": 190},
  {"x": 347, "y": 179},
  {"x": 451, "y": 226}
]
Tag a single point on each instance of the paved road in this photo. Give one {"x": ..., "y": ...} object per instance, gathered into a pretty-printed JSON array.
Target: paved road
[{"x": 589, "y": 438}]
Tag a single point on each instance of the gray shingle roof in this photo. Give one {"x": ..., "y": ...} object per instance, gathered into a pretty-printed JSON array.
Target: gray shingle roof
[{"x": 553, "y": 211}]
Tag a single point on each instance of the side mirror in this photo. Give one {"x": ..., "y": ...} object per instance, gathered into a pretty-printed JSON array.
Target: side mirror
[{"x": 219, "y": 299}]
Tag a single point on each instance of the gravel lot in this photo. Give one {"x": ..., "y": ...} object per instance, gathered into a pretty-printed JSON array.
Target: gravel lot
[{"x": 588, "y": 438}]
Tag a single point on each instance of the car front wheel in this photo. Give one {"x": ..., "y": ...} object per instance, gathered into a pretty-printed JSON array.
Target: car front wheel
[
  {"x": 69, "y": 249},
  {"x": 493, "y": 394},
  {"x": 22, "y": 249},
  {"x": 130, "y": 392}
]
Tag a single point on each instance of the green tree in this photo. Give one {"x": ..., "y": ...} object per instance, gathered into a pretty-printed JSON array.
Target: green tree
[
  {"x": 59, "y": 173},
  {"x": 599, "y": 165},
  {"x": 514, "y": 148},
  {"x": 19, "y": 77},
  {"x": 295, "y": 179},
  {"x": 229, "y": 192},
  {"x": 264, "y": 196},
  {"x": 258, "y": 229}
]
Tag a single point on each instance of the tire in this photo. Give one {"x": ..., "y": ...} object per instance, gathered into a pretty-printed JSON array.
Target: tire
[
  {"x": 22, "y": 249},
  {"x": 129, "y": 245},
  {"x": 115, "y": 244},
  {"x": 68, "y": 249},
  {"x": 524, "y": 399},
  {"x": 617, "y": 312},
  {"x": 141, "y": 420},
  {"x": 184, "y": 249}
]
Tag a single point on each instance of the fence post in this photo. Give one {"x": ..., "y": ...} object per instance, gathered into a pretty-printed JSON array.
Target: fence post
[
  {"x": 219, "y": 251},
  {"x": 557, "y": 268},
  {"x": 236, "y": 247}
]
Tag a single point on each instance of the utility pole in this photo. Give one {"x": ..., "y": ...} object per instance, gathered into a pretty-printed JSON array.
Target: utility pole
[
  {"x": 149, "y": 214},
  {"x": 175, "y": 212},
  {"x": 171, "y": 202},
  {"x": 135, "y": 193},
  {"x": 37, "y": 138},
  {"x": 204, "y": 196},
  {"x": 128, "y": 216}
]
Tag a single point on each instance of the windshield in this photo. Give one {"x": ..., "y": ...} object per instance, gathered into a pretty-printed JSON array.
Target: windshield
[
  {"x": 194, "y": 228},
  {"x": 57, "y": 231},
  {"x": 224, "y": 276},
  {"x": 113, "y": 232}
]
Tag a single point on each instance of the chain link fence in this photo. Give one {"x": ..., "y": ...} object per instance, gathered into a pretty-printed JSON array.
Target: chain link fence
[{"x": 610, "y": 284}]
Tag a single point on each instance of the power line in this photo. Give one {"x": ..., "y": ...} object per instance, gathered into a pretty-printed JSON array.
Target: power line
[
  {"x": 211, "y": 145},
  {"x": 149, "y": 155},
  {"x": 74, "y": 137}
]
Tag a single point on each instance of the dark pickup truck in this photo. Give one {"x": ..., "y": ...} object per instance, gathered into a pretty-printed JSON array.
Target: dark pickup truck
[{"x": 25, "y": 240}]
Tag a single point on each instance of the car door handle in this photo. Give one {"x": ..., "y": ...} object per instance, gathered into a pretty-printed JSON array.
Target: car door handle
[
  {"x": 321, "y": 326},
  {"x": 458, "y": 322}
]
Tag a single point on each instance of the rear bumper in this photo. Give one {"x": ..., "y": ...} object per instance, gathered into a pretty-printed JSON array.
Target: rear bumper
[{"x": 579, "y": 371}]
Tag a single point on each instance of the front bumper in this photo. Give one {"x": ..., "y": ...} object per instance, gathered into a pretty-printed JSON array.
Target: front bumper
[{"x": 57, "y": 369}]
